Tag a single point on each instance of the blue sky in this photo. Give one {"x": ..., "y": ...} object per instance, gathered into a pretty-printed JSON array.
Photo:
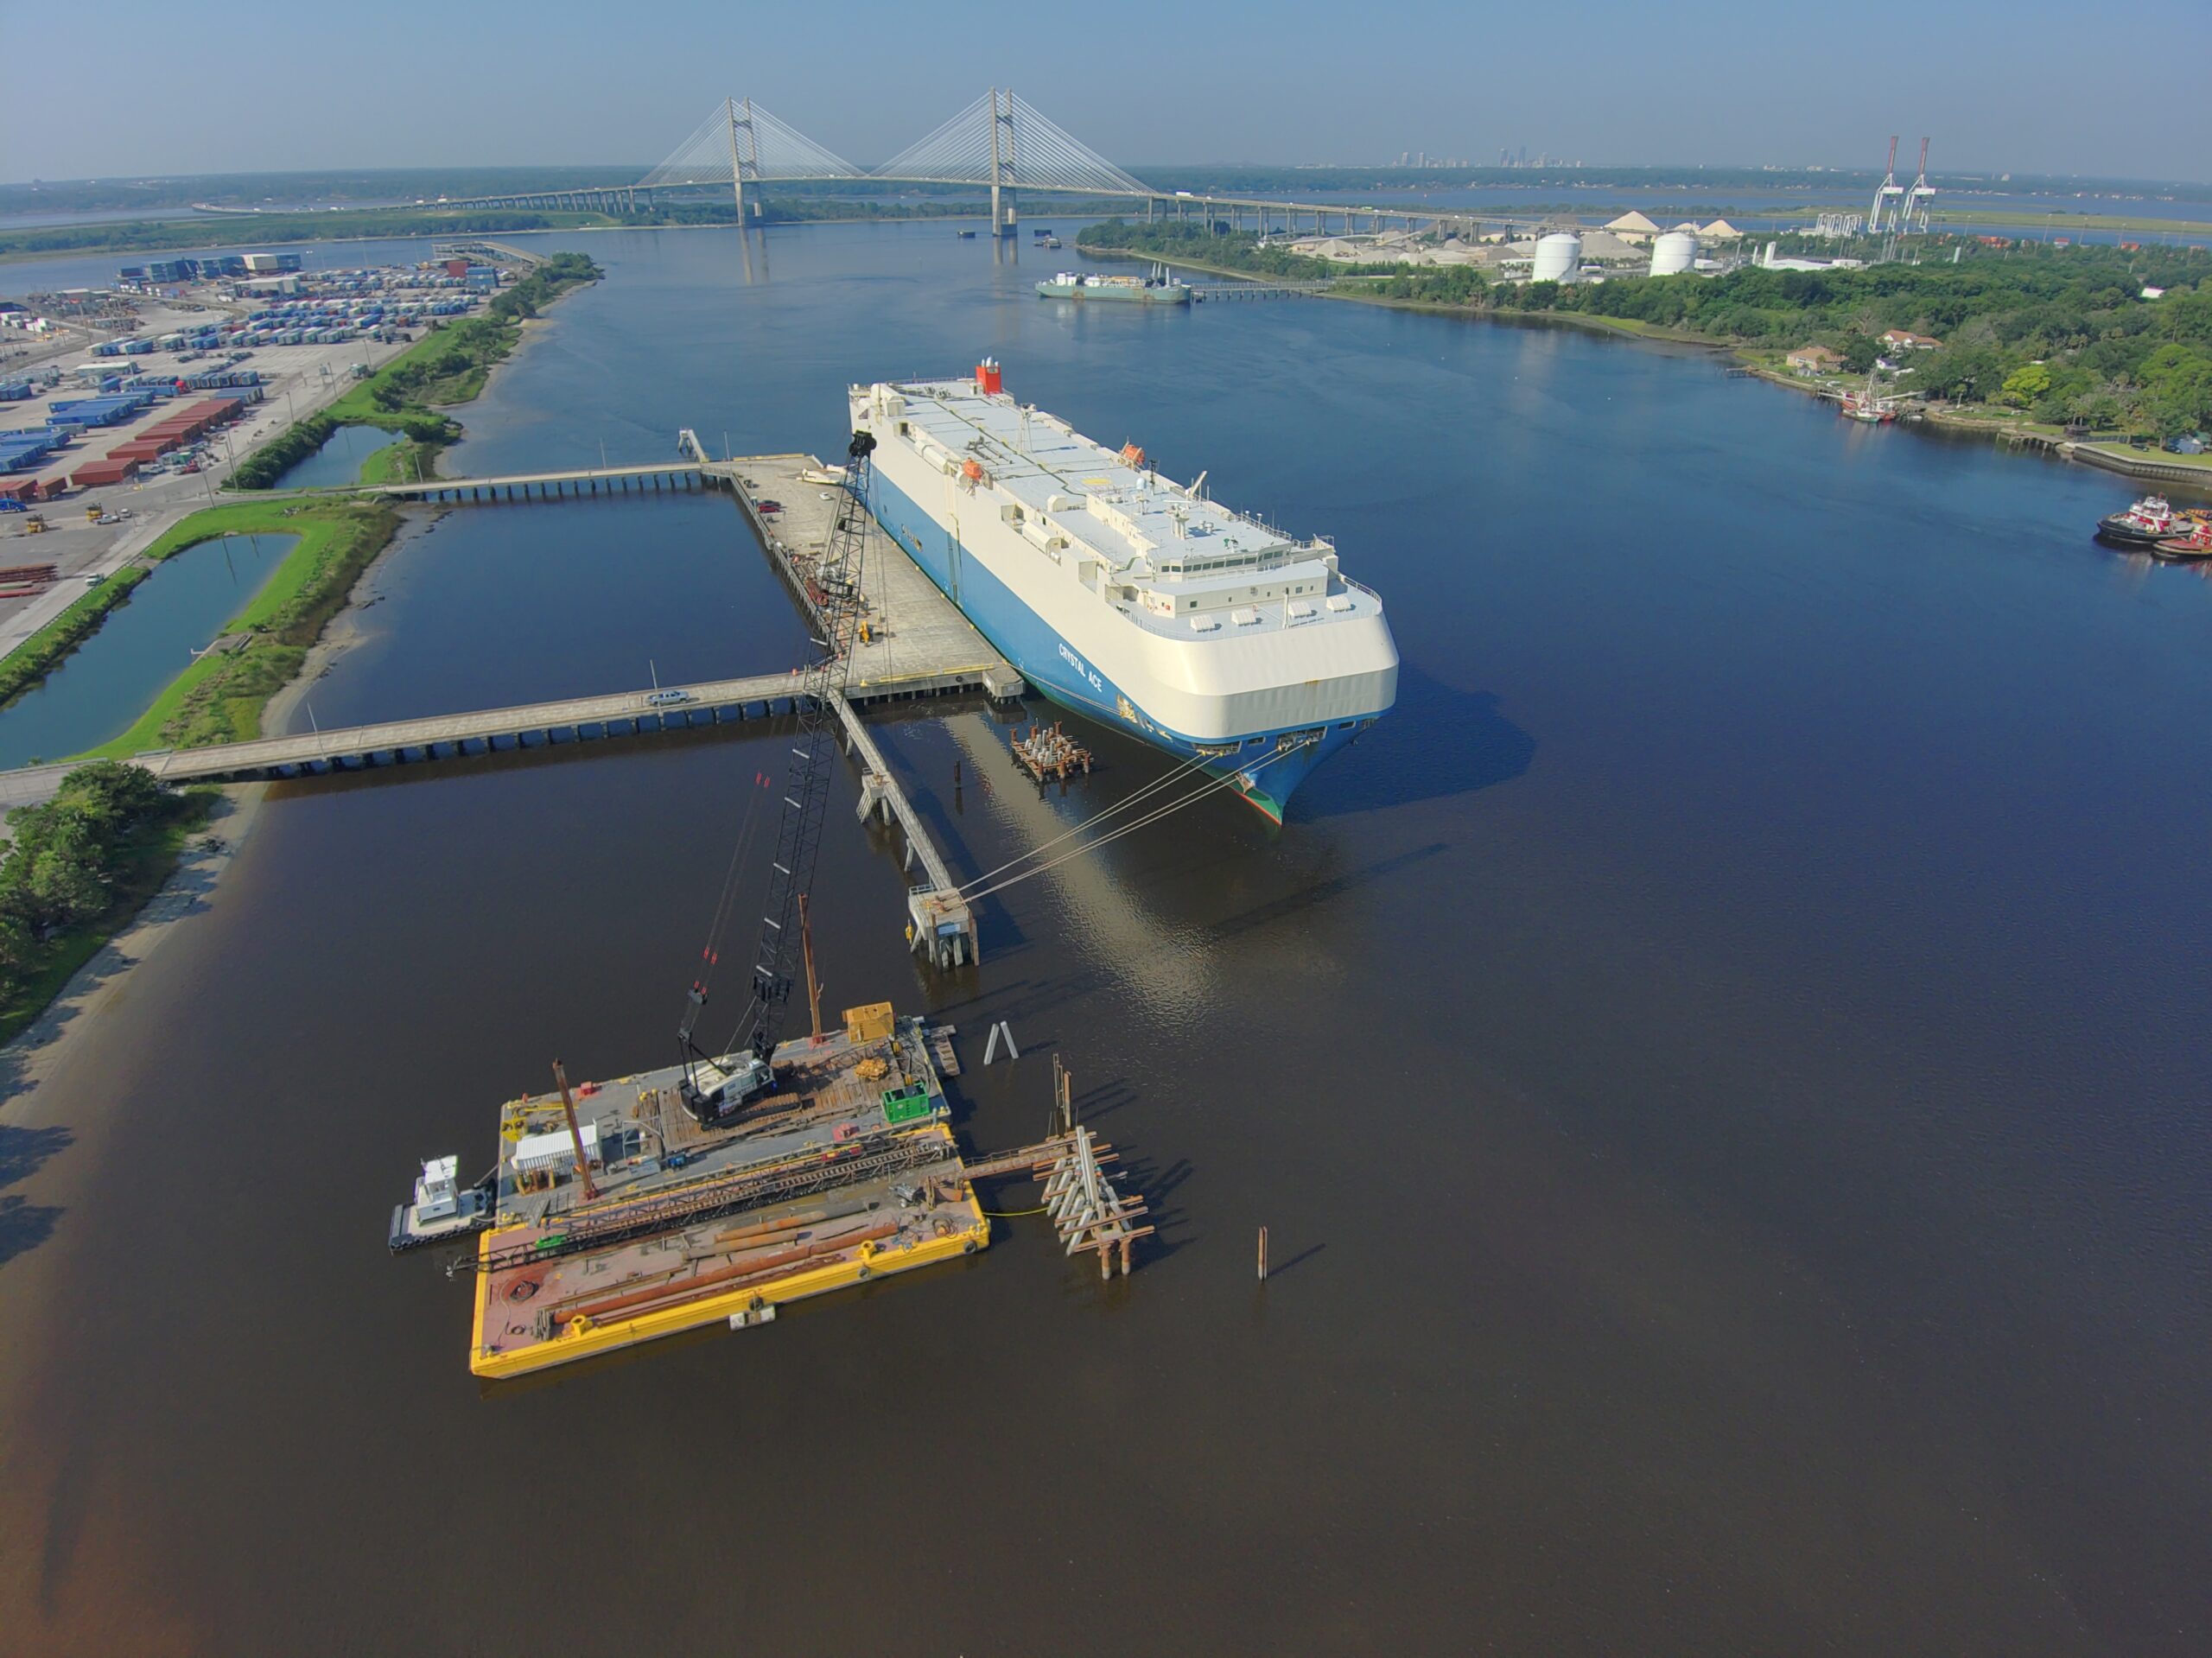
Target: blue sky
[{"x": 2027, "y": 87}]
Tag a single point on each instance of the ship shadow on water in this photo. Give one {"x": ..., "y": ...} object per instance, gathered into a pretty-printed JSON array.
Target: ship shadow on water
[{"x": 1436, "y": 742}]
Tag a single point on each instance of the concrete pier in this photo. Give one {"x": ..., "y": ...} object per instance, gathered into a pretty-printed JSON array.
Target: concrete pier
[
  {"x": 545, "y": 485},
  {"x": 940, "y": 925},
  {"x": 914, "y": 642},
  {"x": 912, "y": 633}
]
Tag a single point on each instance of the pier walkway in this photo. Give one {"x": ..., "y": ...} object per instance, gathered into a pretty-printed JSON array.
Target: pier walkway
[
  {"x": 545, "y": 485},
  {"x": 914, "y": 644},
  {"x": 1235, "y": 290}
]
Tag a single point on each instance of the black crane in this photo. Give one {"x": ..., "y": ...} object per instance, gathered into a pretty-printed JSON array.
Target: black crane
[{"x": 717, "y": 1085}]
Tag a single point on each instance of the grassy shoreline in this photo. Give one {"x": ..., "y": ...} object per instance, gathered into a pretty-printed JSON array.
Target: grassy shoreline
[
  {"x": 447, "y": 366},
  {"x": 220, "y": 698}
]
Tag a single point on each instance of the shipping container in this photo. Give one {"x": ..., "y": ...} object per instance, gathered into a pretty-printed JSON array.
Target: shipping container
[{"x": 92, "y": 474}]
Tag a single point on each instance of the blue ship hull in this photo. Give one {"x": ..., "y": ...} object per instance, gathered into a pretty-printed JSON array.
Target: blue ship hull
[{"x": 1265, "y": 776}]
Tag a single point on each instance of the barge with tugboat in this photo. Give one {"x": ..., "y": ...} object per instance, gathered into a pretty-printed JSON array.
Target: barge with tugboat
[{"x": 619, "y": 1212}]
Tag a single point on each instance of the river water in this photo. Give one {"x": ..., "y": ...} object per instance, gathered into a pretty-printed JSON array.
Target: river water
[{"x": 1722, "y": 1064}]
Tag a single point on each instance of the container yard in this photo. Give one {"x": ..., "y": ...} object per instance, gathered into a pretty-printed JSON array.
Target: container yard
[{"x": 145, "y": 393}]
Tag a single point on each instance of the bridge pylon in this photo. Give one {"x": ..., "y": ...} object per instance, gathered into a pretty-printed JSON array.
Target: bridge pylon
[{"x": 1003, "y": 164}]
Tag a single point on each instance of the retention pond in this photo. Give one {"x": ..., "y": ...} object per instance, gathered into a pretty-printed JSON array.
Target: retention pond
[{"x": 147, "y": 641}]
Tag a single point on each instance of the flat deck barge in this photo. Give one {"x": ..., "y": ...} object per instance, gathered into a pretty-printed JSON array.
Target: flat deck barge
[{"x": 615, "y": 1216}]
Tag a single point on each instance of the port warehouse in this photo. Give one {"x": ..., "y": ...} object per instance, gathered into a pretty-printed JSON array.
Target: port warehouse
[
  {"x": 22, "y": 451},
  {"x": 210, "y": 268}
]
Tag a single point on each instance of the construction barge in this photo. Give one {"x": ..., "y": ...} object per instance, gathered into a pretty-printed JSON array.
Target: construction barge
[{"x": 614, "y": 1216}]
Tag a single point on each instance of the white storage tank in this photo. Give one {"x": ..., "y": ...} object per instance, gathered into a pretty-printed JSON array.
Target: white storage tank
[
  {"x": 1558, "y": 257},
  {"x": 1674, "y": 253}
]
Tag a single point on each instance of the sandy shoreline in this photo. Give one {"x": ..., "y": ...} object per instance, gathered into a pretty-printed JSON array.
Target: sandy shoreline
[{"x": 52, "y": 1040}]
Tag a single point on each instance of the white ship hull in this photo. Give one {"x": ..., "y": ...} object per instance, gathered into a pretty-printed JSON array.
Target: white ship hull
[{"x": 1268, "y": 707}]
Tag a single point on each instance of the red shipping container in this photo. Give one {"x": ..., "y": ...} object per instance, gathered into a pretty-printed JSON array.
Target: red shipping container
[{"x": 94, "y": 472}]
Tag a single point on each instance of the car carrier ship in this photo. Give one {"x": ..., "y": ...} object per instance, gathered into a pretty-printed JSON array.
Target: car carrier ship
[
  {"x": 1160, "y": 289},
  {"x": 1124, "y": 596}
]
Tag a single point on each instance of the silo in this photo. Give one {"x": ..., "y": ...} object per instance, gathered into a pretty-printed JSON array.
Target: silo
[
  {"x": 1558, "y": 257},
  {"x": 1674, "y": 253}
]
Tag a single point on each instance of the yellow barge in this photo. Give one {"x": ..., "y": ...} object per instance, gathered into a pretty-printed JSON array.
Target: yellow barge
[
  {"x": 615, "y": 1216},
  {"x": 535, "y": 1308}
]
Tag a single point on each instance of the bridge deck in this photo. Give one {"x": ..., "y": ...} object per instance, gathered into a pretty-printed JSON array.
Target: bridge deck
[{"x": 920, "y": 646}]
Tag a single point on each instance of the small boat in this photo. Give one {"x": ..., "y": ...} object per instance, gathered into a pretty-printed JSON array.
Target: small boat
[
  {"x": 1867, "y": 406},
  {"x": 2195, "y": 540},
  {"x": 2146, "y": 523},
  {"x": 965, "y": 236}
]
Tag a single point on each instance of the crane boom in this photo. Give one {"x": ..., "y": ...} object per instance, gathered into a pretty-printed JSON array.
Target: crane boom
[{"x": 833, "y": 597}]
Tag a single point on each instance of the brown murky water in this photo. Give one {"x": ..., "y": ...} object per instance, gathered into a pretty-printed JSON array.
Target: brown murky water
[{"x": 1722, "y": 1065}]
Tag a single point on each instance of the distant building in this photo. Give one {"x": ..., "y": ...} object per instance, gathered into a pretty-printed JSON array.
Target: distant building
[
  {"x": 1812, "y": 360},
  {"x": 2154, "y": 293},
  {"x": 1905, "y": 339}
]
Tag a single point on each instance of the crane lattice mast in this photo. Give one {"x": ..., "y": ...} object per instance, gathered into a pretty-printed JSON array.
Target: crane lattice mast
[{"x": 833, "y": 595}]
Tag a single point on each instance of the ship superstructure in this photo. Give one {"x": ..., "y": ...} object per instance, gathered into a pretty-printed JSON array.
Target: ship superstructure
[{"x": 1126, "y": 596}]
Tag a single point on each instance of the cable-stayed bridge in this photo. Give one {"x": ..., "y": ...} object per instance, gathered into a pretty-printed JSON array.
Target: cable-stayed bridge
[{"x": 1000, "y": 142}]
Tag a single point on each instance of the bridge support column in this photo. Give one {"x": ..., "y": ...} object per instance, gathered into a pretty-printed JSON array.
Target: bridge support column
[{"x": 1002, "y": 154}]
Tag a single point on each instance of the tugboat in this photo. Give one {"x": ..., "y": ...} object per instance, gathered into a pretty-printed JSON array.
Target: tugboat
[
  {"x": 2146, "y": 523},
  {"x": 2195, "y": 540}
]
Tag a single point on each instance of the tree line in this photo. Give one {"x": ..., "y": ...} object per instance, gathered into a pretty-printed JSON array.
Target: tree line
[
  {"x": 2071, "y": 334},
  {"x": 75, "y": 863},
  {"x": 2074, "y": 334}
]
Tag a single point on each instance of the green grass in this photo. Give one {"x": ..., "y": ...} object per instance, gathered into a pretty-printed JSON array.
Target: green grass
[
  {"x": 413, "y": 419},
  {"x": 389, "y": 465},
  {"x": 143, "y": 868},
  {"x": 220, "y": 698},
  {"x": 2163, "y": 457},
  {"x": 447, "y": 353}
]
